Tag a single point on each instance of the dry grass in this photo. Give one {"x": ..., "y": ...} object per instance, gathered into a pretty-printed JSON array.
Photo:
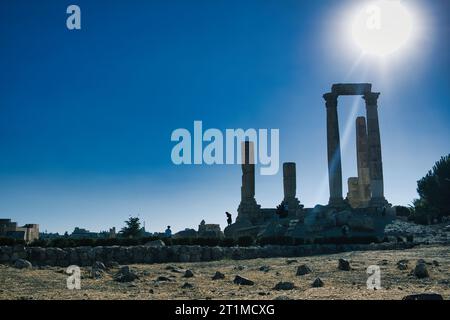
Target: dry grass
[{"x": 50, "y": 282}]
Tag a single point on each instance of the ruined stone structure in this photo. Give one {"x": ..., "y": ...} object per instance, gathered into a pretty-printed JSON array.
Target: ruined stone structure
[
  {"x": 364, "y": 213},
  {"x": 359, "y": 193},
  {"x": 248, "y": 208},
  {"x": 9, "y": 229},
  {"x": 205, "y": 230},
  {"x": 370, "y": 153},
  {"x": 290, "y": 189},
  {"x": 209, "y": 230}
]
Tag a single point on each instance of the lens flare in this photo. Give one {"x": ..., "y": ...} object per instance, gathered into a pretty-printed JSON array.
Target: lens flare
[{"x": 382, "y": 27}]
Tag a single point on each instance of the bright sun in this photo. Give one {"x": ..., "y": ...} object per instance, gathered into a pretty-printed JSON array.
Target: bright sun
[{"x": 382, "y": 27}]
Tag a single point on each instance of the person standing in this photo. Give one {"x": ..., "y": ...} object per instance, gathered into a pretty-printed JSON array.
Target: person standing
[{"x": 229, "y": 220}]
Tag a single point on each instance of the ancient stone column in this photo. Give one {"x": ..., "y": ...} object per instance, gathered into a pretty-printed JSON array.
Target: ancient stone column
[
  {"x": 334, "y": 150},
  {"x": 248, "y": 171},
  {"x": 353, "y": 194},
  {"x": 289, "y": 180},
  {"x": 248, "y": 208},
  {"x": 362, "y": 157},
  {"x": 374, "y": 150},
  {"x": 290, "y": 187}
]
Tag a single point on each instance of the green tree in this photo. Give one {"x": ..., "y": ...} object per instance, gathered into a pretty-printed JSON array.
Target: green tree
[
  {"x": 132, "y": 228},
  {"x": 434, "y": 190}
]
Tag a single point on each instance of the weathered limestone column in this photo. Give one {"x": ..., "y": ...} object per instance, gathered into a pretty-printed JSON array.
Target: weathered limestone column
[
  {"x": 353, "y": 194},
  {"x": 290, "y": 187},
  {"x": 248, "y": 208},
  {"x": 334, "y": 151},
  {"x": 248, "y": 171},
  {"x": 362, "y": 156},
  {"x": 374, "y": 150}
]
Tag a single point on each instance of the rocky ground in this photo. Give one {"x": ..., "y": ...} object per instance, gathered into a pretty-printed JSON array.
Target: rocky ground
[
  {"x": 425, "y": 234},
  {"x": 399, "y": 277}
]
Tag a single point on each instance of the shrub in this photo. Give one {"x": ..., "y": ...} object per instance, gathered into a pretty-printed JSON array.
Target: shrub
[
  {"x": 434, "y": 192},
  {"x": 422, "y": 212},
  {"x": 402, "y": 211}
]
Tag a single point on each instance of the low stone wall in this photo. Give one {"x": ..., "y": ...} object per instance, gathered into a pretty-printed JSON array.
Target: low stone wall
[{"x": 86, "y": 256}]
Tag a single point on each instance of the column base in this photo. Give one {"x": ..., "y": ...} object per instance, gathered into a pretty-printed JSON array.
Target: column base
[{"x": 249, "y": 210}]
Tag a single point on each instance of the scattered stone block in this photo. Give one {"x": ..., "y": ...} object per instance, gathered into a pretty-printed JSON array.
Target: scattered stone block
[
  {"x": 421, "y": 271},
  {"x": 218, "y": 275},
  {"x": 402, "y": 264},
  {"x": 302, "y": 270},
  {"x": 243, "y": 281},
  {"x": 188, "y": 274},
  {"x": 187, "y": 285},
  {"x": 284, "y": 286},
  {"x": 344, "y": 265},
  {"x": 125, "y": 274},
  {"x": 317, "y": 283}
]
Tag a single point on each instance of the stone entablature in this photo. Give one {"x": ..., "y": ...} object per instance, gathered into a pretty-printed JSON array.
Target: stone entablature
[{"x": 28, "y": 232}]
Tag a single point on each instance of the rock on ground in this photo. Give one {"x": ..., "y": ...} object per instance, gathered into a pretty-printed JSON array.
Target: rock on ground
[
  {"x": 344, "y": 265},
  {"x": 284, "y": 286},
  {"x": 421, "y": 271},
  {"x": 218, "y": 275},
  {"x": 317, "y": 283},
  {"x": 22, "y": 264},
  {"x": 188, "y": 274},
  {"x": 302, "y": 270},
  {"x": 125, "y": 274},
  {"x": 243, "y": 281}
]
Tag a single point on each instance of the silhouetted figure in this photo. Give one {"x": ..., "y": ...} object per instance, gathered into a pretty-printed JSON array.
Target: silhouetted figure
[
  {"x": 168, "y": 232},
  {"x": 229, "y": 220}
]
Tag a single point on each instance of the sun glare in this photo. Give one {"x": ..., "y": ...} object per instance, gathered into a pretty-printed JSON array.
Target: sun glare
[{"x": 382, "y": 27}]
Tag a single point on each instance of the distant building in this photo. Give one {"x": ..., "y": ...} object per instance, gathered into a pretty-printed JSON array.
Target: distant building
[
  {"x": 9, "y": 229},
  {"x": 209, "y": 230},
  {"x": 49, "y": 236},
  {"x": 205, "y": 230},
  {"x": 81, "y": 233}
]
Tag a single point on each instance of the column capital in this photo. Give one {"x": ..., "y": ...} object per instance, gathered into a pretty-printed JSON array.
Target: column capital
[
  {"x": 330, "y": 99},
  {"x": 371, "y": 98}
]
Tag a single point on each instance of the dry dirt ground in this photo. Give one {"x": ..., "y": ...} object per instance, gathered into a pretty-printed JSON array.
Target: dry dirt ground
[{"x": 50, "y": 282}]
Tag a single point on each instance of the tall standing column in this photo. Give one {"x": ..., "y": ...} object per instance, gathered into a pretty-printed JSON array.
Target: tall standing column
[
  {"x": 290, "y": 187},
  {"x": 334, "y": 150},
  {"x": 362, "y": 157},
  {"x": 248, "y": 208},
  {"x": 374, "y": 147},
  {"x": 248, "y": 171}
]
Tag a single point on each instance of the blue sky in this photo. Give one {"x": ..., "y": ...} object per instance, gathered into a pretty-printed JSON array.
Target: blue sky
[{"x": 86, "y": 116}]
